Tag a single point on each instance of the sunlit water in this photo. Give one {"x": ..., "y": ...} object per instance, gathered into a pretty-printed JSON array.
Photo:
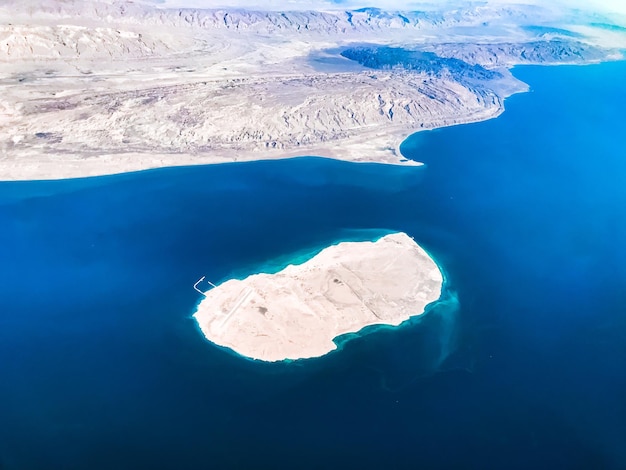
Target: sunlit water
[{"x": 523, "y": 365}]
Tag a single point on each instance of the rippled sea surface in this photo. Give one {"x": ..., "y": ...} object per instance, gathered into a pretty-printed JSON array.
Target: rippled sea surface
[{"x": 523, "y": 365}]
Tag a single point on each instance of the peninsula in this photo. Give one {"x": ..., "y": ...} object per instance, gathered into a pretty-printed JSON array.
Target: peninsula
[
  {"x": 297, "y": 312},
  {"x": 110, "y": 86}
]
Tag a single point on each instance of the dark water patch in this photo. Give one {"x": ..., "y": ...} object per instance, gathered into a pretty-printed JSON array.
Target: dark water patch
[
  {"x": 550, "y": 30},
  {"x": 609, "y": 27},
  {"x": 389, "y": 58}
]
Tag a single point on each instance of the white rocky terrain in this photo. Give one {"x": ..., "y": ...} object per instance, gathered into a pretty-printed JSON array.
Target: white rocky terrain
[
  {"x": 297, "y": 312},
  {"x": 90, "y": 88}
]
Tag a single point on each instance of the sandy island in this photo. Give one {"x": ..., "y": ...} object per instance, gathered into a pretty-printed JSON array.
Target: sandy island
[{"x": 297, "y": 312}]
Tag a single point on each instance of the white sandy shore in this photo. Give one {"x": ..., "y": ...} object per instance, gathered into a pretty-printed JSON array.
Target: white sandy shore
[{"x": 297, "y": 312}]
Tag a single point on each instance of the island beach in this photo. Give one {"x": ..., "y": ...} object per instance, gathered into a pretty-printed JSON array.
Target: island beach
[{"x": 297, "y": 312}]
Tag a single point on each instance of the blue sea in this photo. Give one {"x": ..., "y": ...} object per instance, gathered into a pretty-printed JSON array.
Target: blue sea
[{"x": 521, "y": 365}]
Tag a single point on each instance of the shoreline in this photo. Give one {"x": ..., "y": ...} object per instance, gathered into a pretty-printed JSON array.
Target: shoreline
[
  {"x": 311, "y": 309},
  {"x": 339, "y": 341},
  {"x": 377, "y": 147}
]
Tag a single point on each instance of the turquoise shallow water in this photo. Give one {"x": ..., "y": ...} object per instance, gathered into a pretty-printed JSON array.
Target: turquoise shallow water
[{"x": 101, "y": 365}]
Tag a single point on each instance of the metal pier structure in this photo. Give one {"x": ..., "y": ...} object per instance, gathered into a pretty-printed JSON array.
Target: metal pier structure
[{"x": 195, "y": 286}]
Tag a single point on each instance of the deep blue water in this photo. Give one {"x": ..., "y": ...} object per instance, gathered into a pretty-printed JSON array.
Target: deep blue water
[{"x": 101, "y": 365}]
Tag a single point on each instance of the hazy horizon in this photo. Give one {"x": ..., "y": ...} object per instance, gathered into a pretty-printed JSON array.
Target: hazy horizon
[{"x": 601, "y": 6}]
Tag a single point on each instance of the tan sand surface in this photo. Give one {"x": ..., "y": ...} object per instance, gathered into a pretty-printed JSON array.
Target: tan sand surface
[{"x": 297, "y": 312}]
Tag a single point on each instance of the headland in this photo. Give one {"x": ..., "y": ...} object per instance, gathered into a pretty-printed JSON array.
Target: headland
[{"x": 102, "y": 87}]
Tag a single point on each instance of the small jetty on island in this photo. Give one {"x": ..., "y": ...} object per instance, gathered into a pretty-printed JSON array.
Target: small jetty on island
[{"x": 296, "y": 313}]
